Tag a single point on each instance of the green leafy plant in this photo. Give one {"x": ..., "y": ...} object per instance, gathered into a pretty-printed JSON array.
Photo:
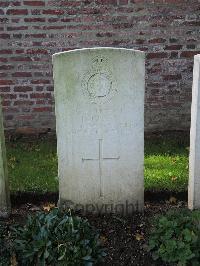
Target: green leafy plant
[
  {"x": 57, "y": 238},
  {"x": 5, "y": 248},
  {"x": 175, "y": 238}
]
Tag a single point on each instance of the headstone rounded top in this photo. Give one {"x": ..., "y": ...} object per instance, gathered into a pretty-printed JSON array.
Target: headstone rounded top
[{"x": 95, "y": 49}]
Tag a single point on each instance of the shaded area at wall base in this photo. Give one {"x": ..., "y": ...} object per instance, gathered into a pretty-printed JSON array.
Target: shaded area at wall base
[
  {"x": 35, "y": 133},
  {"x": 20, "y": 198}
]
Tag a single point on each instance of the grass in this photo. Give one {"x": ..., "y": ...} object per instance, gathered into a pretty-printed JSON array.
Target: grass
[
  {"x": 166, "y": 164},
  {"x": 33, "y": 165}
]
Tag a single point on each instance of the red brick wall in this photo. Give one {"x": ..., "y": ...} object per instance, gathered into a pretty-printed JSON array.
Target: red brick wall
[{"x": 31, "y": 31}]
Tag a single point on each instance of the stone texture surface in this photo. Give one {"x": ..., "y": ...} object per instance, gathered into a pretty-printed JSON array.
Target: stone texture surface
[
  {"x": 194, "y": 162},
  {"x": 31, "y": 31},
  {"x": 99, "y": 97},
  {"x": 4, "y": 186}
]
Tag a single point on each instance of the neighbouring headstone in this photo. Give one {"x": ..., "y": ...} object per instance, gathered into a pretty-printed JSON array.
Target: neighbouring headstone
[
  {"x": 194, "y": 160},
  {"x": 4, "y": 186},
  {"x": 99, "y": 95}
]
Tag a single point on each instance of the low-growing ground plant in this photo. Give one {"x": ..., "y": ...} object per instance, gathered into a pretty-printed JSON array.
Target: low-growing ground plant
[
  {"x": 175, "y": 238},
  {"x": 50, "y": 238},
  {"x": 56, "y": 238},
  {"x": 5, "y": 248}
]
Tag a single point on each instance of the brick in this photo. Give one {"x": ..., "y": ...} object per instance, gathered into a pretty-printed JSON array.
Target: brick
[
  {"x": 22, "y": 74},
  {"x": 4, "y": 36},
  {"x": 174, "y": 55},
  {"x": 9, "y": 117},
  {"x": 139, "y": 41},
  {"x": 53, "y": 12},
  {"x": 15, "y": 20},
  {"x": 39, "y": 88},
  {"x": 172, "y": 77},
  {"x": 37, "y": 51},
  {"x": 104, "y": 34},
  {"x": 3, "y": 75},
  {"x": 50, "y": 88},
  {"x": 23, "y": 102},
  {"x": 23, "y": 88},
  {"x": 4, "y": 20},
  {"x": 36, "y": 35},
  {"x": 40, "y": 102},
  {"x": 23, "y": 96},
  {"x": 54, "y": 27},
  {"x": 16, "y": 3},
  {"x": 21, "y": 59},
  {"x": 34, "y": 19},
  {"x": 191, "y": 46},
  {"x": 4, "y": 4},
  {"x": 42, "y": 109},
  {"x": 19, "y": 12},
  {"x": 173, "y": 47},
  {"x": 34, "y": 3},
  {"x": 40, "y": 95},
  {"x": 6, "y": 82},
  {"x": 17, "y": 28},
  {"x": 189, "y": 54},
  {"x": 157, "y": 55},
  {"x": 157, "y": 40},
  {"x": 5, "y": 89},
  {"x": 6, "y": 103},
  {"x": 25, "y": 117},
  {"x": 173, "y": 40},
  {"x": 3, "y": 60},
  {"x": 38, "y": 74},
  {"x": 123, "y": 2},
  {"x": 8, "y": 96},
  {"x": 40, "y": 81},
  {"x": 192, "y": 23},
  {"x": 19, "y": 51},
  {"x": 17, "y": 36},
  {"x": 71, "y": 3},
  {"x": 53, "y": 20},
  {"x": 6, "y": 51},
  {"x": 11, "y": 109},
  {"x": 106, "y": 2},
  {"x": 36, "y": 12}
]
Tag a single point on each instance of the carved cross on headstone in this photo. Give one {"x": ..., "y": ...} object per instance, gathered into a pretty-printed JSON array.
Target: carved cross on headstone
[{"x": 100, "y": 160}]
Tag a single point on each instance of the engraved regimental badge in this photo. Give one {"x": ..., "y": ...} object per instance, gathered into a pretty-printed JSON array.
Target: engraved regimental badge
[{"x": 98, "y": 81}]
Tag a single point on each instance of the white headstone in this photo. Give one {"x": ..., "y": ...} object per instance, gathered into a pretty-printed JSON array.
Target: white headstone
[
  {"x": 194, "y": 160},
  {"x": 4, "y": 186},
  {"x": 99, "y": 94}
]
